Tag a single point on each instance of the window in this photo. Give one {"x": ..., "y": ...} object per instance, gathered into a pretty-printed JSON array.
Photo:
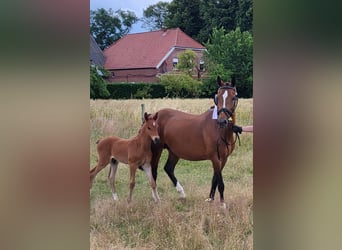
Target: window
[
  {"x": 201, "y": 65},
  {"x": 174, "y": 62}
]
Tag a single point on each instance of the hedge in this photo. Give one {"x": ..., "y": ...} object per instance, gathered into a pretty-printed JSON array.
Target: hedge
[
  {"x": 157, "y": 90},
  {"x": 136, "y": 90}
]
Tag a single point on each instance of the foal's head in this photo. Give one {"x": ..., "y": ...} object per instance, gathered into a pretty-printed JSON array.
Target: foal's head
[
  {"x": 226, "y": 101},
  {"x": 150, "y": 126}
]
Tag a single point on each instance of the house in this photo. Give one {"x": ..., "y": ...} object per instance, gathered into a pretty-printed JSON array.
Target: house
[
  {"x": 141, "y": 57},
  {"x": 96, "y": 55}
]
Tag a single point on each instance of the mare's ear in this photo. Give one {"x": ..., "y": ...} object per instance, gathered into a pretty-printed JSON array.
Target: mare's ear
[
  {"x": 233, "y": 81},
  {"x": 155, "y": 116},
  {"x": 146, "y": 116},
  {"x": 219, "y": 81}
]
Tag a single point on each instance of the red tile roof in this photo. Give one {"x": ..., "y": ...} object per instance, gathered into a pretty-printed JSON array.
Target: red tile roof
[{"x": 146, "y": 50}]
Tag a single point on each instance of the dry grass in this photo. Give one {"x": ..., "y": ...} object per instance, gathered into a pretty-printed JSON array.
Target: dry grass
[{"x": 174, "y": 223}]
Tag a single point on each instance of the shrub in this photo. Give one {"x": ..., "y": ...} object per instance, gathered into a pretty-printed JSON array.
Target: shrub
[
  {"x": 98, "y": 88},
  {"x": 136, "y": 90},
  {"x": 180, "y": 85}
]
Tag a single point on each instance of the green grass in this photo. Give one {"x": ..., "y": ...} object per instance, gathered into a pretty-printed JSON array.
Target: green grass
[{"x": 174, "y": 223}]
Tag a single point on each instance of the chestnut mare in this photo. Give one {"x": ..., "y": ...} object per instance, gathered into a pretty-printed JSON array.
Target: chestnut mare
[
  {"x": 136, "y": 152},
  {"x": 208, "y": 136}
]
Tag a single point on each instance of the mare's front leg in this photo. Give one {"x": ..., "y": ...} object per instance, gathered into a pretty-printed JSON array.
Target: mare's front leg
[
  {"x": 148, "y": 171},
  {"x": 217, "y": 182}
]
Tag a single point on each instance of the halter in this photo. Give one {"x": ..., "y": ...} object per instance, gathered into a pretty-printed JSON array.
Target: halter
[{"x": 229, "y": 114}]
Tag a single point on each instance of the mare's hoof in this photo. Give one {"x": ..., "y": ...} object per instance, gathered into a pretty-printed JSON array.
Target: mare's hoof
[{"x": 223, "y": 205}]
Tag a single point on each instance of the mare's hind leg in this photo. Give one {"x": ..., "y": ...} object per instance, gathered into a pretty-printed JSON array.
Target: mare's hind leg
[
  {"x": 169, "y": 169},
  {"x": 147, "y": 169},
  {"x": 111, "y": 177}
]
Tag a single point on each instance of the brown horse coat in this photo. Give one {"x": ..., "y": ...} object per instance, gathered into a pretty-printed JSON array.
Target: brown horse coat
[
  {"x": 136, "y": 152},
  {"x": 198, "y": 137},
  {"x": 193, "y": 137}
]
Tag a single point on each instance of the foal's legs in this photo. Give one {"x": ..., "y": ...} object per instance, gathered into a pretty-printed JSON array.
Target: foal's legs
[
  {"x": 147, "y": 169},
  {"x": 132, "y": 170},
  {"x": 169, "y": 169},
  {"x": 111, "y": 177},
  {"x": 102, "y": 163}
]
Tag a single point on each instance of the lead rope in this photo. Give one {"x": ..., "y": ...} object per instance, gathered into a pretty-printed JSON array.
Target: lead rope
[{"x": 237, "y": 137}]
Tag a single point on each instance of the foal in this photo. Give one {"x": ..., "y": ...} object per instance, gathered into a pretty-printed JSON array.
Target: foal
[{"x": 136, "y": 152}]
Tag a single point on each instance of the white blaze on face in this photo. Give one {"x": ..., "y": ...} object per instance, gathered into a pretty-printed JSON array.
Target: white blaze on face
[
  {"x": 154, "y": 124},
  {"x": 224, "y": 98}
]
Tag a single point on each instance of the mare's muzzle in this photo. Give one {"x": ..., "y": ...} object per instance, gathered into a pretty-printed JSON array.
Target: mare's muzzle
[{"x": 224, "y": 122}]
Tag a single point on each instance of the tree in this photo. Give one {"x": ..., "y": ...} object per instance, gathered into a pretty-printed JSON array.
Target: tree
[
  {"x": 245, "y": 15},
  {"x": 185, "y": 14},
  {"x": 108, "y": 26},
  {"x": 186, "y": 62},
  {"x": 98, "y": 86},
  {"x": 154, "y": 16},
  {"x": 218, "y": 14},
  {"x": 234, "y": 51}
]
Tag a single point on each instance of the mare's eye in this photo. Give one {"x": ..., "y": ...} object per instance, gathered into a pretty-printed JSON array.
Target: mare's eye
[{"x": 148, "y": 128}]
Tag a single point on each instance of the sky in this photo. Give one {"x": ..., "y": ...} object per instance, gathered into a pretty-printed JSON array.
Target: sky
[{"x": 136, "y": 6}]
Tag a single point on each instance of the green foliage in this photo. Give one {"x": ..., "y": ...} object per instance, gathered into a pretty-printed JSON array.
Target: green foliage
[
  {"x": 210, "y": 86},
  {"x": 181, "y": 85},
  {"x": 154, "y": 15},
  {"x": 108, "y": 26},
  {"x": 98, "y": 87},
  {"x": 185, "y": 14},
  {"x": 245, "y": 15},
  {"x": 144, "y": 92},
  {"x": 187, "y": 62},
  {"x": 136, "y": 90},
  {"x": 234, "y": 51},
  {"x": 198, "y": 18}
]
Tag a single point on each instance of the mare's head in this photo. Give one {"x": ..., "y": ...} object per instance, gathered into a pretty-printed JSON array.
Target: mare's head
[
  {"x": 226, "y": 101},
  {"x": 151, "y": 127}
]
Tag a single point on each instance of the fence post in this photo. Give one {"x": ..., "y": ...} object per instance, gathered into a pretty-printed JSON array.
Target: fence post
[{"x": 142, "y": 112}]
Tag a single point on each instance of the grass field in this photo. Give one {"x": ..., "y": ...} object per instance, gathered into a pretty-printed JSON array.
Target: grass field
[{"x": 174, "y": 223}]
